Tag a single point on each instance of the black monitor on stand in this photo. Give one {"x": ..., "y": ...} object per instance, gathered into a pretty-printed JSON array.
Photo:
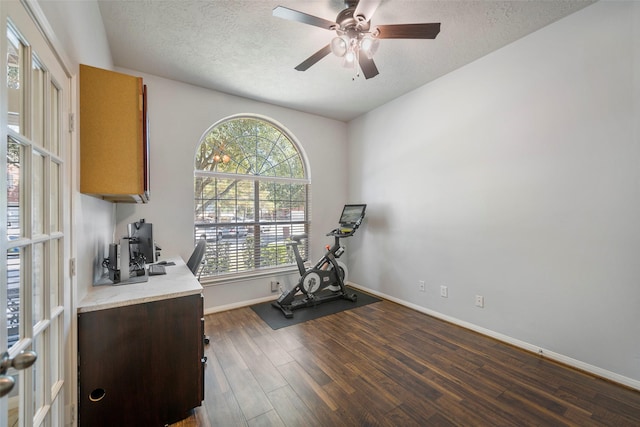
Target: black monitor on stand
[{"x": 141, "y": 241}]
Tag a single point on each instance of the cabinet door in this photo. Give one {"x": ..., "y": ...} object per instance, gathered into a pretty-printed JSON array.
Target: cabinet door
[
  {"x": 140, "y": 365},
  {"x": 113, "y": 137}
]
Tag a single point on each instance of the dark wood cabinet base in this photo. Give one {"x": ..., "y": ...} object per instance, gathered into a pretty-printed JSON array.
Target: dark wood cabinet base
[{"x": 141, "y": 365}]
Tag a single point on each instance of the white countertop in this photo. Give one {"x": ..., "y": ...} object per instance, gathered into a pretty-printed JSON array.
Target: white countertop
[{"x": 178, "y": 282}]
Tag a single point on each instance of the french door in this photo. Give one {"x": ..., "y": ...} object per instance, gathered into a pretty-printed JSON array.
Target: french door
[{"x": 34, "y": 219}]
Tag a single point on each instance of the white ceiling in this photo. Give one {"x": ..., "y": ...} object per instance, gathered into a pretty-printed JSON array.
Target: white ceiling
[{"x": 238, "y": 47}]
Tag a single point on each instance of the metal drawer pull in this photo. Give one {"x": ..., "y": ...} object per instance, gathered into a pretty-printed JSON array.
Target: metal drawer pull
[{"x": 97, "y": 395}]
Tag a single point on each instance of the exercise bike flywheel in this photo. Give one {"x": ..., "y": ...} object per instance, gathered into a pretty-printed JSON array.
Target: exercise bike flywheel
[
  {"x": 311, "y": 282},
  {"x": 343, "y": 272}
]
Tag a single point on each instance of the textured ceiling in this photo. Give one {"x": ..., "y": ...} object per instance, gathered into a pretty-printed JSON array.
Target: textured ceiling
[{"x": 238, "y": 47}]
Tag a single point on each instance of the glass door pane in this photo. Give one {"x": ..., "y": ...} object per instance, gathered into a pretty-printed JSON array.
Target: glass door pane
[
  {"x": 56, "y": 346},
  {"x": 14, "y": 281},
  {"x": 14, "y": 193},
  {"x": 55, "y": 183},
  {"x": 54, "y": 133},
  {"x": 38, "y": 192},
  {"x": 37, "y": 293},
  {"x": 15, "y": 59},
  {"x": 55, "y": 279},
  {"x": 38, "y": 374},
  {"x": 15, "y": 403},
  {"x": 14, "y": 259},
  {"x": 37, "y": 102}
]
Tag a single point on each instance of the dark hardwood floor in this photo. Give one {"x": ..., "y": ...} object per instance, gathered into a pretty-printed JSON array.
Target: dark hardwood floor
[{"x": 387, "y": 365}]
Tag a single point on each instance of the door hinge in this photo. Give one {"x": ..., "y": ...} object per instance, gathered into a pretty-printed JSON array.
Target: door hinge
[
  {"x": 72, "y": 267},
  {"x": 72, "y": 122}
]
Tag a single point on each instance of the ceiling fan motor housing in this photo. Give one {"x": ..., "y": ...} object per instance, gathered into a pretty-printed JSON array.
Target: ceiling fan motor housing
[
  {"x": 347, "y": 22},
  {"x": 350, "y": 4}
]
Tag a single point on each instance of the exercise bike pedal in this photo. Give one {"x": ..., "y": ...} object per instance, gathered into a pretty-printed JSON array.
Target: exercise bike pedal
[
  {"x": 350, "y": 297},
  {"x": 287, "y": 312}
]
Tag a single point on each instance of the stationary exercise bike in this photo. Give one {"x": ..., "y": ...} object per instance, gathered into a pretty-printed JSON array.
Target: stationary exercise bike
[{"x": 324, "y": 282}]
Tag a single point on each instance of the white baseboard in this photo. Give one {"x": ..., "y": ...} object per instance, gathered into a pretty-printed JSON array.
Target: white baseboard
[
  {"x": 220, "y": 308},
  {"x": 594, "y": 370}
]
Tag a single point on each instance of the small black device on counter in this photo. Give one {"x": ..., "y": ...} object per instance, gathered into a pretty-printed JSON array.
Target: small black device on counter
[
  {"x": 156, "y": 269},
  {"x": 113, "y": 262}
]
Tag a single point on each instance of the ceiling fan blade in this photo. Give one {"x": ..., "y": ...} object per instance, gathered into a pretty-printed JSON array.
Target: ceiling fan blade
[
  {"x": 366, "y": 8},
  {"x": 367, "y": 66},
  {"x": 314, "y": 58},
  {"x": 294, "y": 15},
  {"x": 408, "y": 31}
]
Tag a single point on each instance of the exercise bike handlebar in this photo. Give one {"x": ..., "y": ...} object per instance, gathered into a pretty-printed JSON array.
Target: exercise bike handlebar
[
  {"x": 342, "y": 232},
  {"x": 336, "y": 232}
]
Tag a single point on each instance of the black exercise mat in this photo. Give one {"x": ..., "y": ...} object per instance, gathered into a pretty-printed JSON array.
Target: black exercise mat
[{"x": 275, "y": 318}]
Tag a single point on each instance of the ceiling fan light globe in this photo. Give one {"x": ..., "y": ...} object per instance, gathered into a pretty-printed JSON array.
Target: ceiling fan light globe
[
  {"x": 348, "y": 64},
  {"x": 350, "y": 57},
  {"x": 339, "y": 46},
  {"x": 369, "y": 46}
]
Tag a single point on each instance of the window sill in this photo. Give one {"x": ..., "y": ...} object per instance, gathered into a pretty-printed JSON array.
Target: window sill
[{"x": 244, "y": 277}]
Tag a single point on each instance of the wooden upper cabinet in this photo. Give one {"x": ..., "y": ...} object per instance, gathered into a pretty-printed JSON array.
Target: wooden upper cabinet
[{"x": 114, "y": 149}]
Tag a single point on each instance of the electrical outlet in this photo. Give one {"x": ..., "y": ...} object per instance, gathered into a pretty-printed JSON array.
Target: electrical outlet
[
  {"x": 275, "y": 286},
  {"x": 479, "y": 301},
  {"x": 421, "y": 285},
  {"x": 444, "y": 292}
]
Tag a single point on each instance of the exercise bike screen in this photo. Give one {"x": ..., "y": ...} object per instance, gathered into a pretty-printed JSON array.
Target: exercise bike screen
[{"x": 352, "y": 214}]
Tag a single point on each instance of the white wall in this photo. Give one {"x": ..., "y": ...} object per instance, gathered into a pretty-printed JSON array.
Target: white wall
[
  {"x": 516, "y": 178},
  {"x": 179, "y": 115},
  {"x": 78, "y": 26}
]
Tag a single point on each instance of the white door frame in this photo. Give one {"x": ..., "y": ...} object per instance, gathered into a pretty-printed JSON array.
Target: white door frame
[{"x": 69, "y": 194}]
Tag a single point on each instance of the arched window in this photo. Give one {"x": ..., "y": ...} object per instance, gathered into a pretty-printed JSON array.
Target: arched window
[{"x": 251, "y": 194}]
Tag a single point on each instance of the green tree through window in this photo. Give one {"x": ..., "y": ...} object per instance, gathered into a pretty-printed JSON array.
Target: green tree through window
[{"x": 251, "y": 195}]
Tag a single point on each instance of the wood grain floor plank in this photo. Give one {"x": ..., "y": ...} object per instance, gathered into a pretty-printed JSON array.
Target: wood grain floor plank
[
  {"x": 332, "y": 363},
  {"x": 270, "y": 419},
  {"x": 533, "y": 411},
  {"x": 306, "y": 387},
  {"x": 220, "y": 405},
  {"x": 316, "y": 399},
  {"x": 273, "y": 349},
  {"x": 246, "y": 389},
  {"x": 257, "y": 362},
  {"x": 311, "y": 365},
  {"x": 291, "y": 409}
]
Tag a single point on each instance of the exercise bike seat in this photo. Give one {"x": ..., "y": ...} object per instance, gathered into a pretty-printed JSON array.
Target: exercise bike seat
[{"x": 299, "y": 237}]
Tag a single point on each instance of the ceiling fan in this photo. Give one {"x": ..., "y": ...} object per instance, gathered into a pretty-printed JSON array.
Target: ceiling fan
[{"x": 356, "y": 40}]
